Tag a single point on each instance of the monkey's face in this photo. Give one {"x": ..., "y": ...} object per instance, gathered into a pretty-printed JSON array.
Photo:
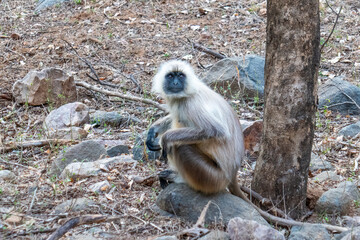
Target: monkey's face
[{"x": 174, "y": 82}]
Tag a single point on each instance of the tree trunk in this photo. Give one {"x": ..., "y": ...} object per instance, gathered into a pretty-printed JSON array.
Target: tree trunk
[{"x": 291, "y": 70}]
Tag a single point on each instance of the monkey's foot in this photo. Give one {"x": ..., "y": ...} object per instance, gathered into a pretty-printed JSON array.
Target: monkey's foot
[{"x": 166, "y": 177}]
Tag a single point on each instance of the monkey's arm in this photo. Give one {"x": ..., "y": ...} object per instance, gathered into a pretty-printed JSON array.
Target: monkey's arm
[
  {"x": 158, "y": 128},
  {"x": 189, "y": 135}
]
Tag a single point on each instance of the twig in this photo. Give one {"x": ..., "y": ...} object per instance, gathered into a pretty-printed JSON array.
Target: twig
[
  {"x": 33, "y": 200},
  {"x": 124, "y": 96},
  {"x": 347, "y": 95},
  {"x": 138, "y": 87},
  {"x": 36, "y": 143},
  {"x": 207, "y": 50},
  {"x": 102, "y": 82},
  {"x": 333, "y": 28},
  {"x": 201, "y": 219},
  {"x": 17, "y": 164},
  {"x": 74, "y": 222}
]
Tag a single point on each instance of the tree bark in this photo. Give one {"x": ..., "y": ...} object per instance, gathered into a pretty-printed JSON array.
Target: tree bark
[{"x": 291, "y": 71}]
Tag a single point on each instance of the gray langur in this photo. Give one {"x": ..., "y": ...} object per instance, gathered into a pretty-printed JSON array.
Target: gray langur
[{"x": 201, "y": 136}]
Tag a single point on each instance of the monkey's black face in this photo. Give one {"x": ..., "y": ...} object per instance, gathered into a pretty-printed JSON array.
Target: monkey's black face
[{"x": 174, "y": 82}]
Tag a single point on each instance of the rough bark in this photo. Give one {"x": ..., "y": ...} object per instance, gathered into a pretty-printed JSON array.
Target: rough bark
[{"x": 292, "y": 62}]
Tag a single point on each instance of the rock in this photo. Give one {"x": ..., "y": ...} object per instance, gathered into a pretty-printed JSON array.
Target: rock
[
  {"x": 353, "y": 234},
  {"x": 309, "y": 232},
  {"x": 140, "y": 151},
  {"x": 87, "y": 169},
  {"x": 83, "y": 237},
  {"x": 43, "y": 4},
  {"x": 87, "y": 151},
  {"x": 216, "y": 235},
  {"x": 338, "y": 200},
  {"x": 69, "y": 115},
  {"x": 14, "y": 218},
  {"x": 50, "y": 85},
  {"x": 6, "y": 175},
  {"x": 100, "y": 187},
  {"x": 182, "y": 201},
  {"x": 113, "y": 119},
  {"x": 117, "y": 150},
  {"x": 334, "y": 96},
  {"x": 326, "y": 176},
  {"x": 351, "y": 130},
  {"x": 352, "y": 221},
  {"x": 241, "y": 229},
  {"x": 224, "y": 75},
  {"x": 109, "y": 143},
  {"x": 74, "y": 133},
  {"x": 252, "y": 138},
  {"x": 316, "y": 163},
  {"x": 166, "y": 238},
  {"x": 74, "y": 205}
]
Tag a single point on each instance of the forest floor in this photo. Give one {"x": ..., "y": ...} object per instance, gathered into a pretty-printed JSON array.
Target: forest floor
[{"x": 129, "y": 39}]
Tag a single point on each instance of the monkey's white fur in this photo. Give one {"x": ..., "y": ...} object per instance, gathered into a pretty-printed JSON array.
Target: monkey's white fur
[{"x": 199, "y": 107}]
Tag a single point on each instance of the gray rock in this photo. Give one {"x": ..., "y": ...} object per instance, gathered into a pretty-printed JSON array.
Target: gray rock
[
  {"x": 225, "y": 74},
  {"x": 317, "y": 163},
  {"x": 166, "y": 238},
  {"x": 6, "y": 175},
  {"x": 338, "y": 200},
  {"x": 327, "y": 175},
  {"x": 334, "y": 96},
  {"x": 353, "y": 234},
  {"x": 87, "y": 151},
  {"x": 241, "y": 229},
  {"x": 68, "y": 115},
  {"x": 74, "y": 205},
  {"x": 351, "y": 130},
  {"x": 309, "y": 232},
  {"x": 83, "y": 237},
  {"x": 50, "y": 85},
  {"x": 43, "y": 4},
  {"x": 352, "y": 221},
  {"x": 87, "y": 169},
  {"x": 184, "y": 202},
  {"x": 216, "y": 235},
  {"x": 117, "y": 150},
  {"x": 141, "y": 152},
  {"x": 74, "y": 133},
  {"x": 113, "y": 119},
  {"x": 100, "y": 187}
]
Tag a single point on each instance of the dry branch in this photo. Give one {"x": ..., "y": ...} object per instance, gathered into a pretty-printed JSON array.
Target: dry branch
[
  {"x": 36, "y": 143},
  {"x": 74, "y": 222},
  {"x": 207, "y": 50},
  {"x": 333, "y": 28},
  {"x": 120, "y": 95}
]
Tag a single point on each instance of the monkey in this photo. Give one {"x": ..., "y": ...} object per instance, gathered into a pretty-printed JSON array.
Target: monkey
[{"x": 201, "y": 136}]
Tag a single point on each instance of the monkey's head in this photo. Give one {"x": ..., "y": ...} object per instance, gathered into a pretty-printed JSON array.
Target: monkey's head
[{"x": 175, "y": 79}]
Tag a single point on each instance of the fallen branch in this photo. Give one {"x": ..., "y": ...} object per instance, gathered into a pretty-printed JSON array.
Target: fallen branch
[
  {"x": 77, "y": 221},
  {"x": 124, "y": 96},
  {"x": 333, "y": 28},
  {"x": 206, "y": 50},
  {"x": 36, "y": 143}
]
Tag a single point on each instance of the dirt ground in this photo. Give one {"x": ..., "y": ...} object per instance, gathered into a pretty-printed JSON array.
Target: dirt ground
[{"x": 125, "y": 41}]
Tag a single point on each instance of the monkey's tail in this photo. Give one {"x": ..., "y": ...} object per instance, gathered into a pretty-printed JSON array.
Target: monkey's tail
[{"x": 234, "y": 188}]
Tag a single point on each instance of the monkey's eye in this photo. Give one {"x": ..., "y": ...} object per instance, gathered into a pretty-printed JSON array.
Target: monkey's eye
[
  {"x": 170, "y": 76},
  {"x": 181, "y": 75}
]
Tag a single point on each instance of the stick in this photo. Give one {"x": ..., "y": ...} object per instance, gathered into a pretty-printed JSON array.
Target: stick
[
  {"x": 333, "y": 28},
  {"x": 36, "y": 143},
  {"x": 74, "y": 222},
  {"x": 207, "y": 50},
  {"x": 116, "y": 94}
]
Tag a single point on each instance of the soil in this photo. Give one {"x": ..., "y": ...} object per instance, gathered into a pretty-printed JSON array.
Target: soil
[{"x": 124, "y": 42}]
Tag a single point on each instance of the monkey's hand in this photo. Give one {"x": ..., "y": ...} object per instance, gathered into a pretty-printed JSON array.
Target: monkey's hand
[{"x": 152, "y": 140}]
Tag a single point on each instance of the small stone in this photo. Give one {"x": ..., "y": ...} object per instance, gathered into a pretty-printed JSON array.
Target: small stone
[
  {"x": 241, "y": 229},
  {"x": 326, "y": 176},
  {"x": 351, "y": 130},
  {"x": 100, "y": 187},
  {"x": 50, "y": 85},
  {"x": 74, "y": 205},
  {"x": 117, "y": 150},
  {"x": 114, "y": 119},
  {"x": 6, "y": 175},
  {"x": 309, "y": 232},
  {"x": 317, "y": 163},
  {"x": 15, "y": 218}
]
